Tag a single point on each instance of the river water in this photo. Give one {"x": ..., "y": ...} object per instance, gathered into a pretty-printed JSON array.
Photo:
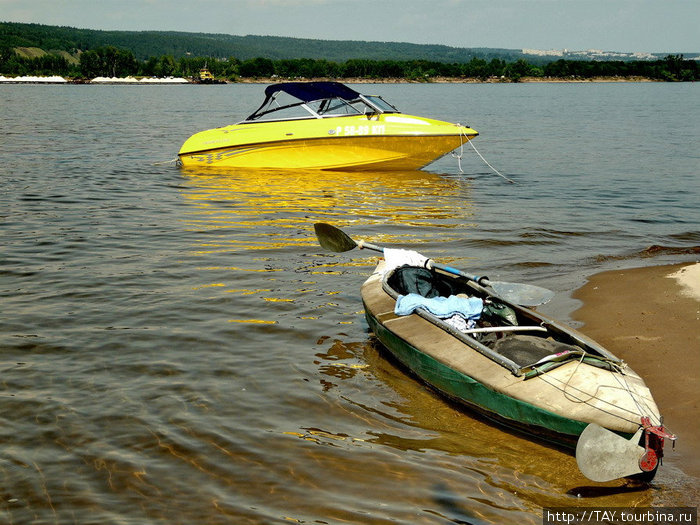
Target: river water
[{"x": 176, "y": 348}]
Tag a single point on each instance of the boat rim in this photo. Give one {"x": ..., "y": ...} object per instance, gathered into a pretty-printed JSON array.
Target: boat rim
[{"x": 591, "y": 353}]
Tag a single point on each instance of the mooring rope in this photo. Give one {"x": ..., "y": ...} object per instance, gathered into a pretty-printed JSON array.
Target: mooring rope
[
  {"x": 461, "y": 152},
  {"x": 640, "y": 404},
  {"x": 164, "y": 162},
  {"x": 619, "y": 376},
  {"x": 566, "y": 385},
  {"x": 572, "y": 397}
]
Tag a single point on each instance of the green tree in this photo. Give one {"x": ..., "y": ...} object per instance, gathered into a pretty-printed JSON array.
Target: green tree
[
  {"x": 232, "y": 67},
  {"x": 558, "y": 69},
  {"x": 356, "y": 67},
  {"x": 108, "y": 61},
  {"x": 148, "y": 68},
  {"x": 518, "y": 69},
  {"x": 7, "y": 59},
  {"x": 476, "y": 68},
  {"x": 165, "y": 66},
  {"x": 497, "y": 67},
  {"x": 91, "y": 64},
  {"x": 257, "y": 67}
]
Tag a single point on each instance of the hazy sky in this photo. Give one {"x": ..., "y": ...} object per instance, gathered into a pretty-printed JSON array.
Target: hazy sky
[{"x": 614, "y": 25}]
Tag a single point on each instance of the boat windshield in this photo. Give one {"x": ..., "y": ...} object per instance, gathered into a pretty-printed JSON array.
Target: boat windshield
[
  {"x": 380, "y": 104},
  {"x": 330, "y": 107},
  {"x": 316, "y": 100}
]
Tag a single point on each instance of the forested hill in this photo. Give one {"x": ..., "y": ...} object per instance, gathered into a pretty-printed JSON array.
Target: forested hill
[
  {"x": 145, "y": 44},
  {"x": 34, "y": 49}
]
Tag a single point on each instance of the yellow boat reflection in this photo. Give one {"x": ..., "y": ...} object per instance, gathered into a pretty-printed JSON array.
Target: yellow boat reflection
[
  {"x": 252, "y": 226},
  {"x": 277, "y": 201}
]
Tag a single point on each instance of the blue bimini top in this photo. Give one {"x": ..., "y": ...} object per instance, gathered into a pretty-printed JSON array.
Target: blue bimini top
[{"x": 309, "y": 91}]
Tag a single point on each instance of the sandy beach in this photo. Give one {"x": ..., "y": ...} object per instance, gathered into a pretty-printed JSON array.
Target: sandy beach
[{"x": 650, "y": 317}]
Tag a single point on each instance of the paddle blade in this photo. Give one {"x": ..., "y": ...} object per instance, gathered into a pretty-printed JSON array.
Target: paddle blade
[
  {"x": 602, "y": 455},
  {"x": 333, "y": 239},
  {"x": 522, "y": 294}
]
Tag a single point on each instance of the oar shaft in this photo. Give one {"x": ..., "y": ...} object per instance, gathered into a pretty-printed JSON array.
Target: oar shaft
[
  {"x": 369, "y": 246},
  {"x": 483, "y": 281},
  {"x": 336, "y": 240}
]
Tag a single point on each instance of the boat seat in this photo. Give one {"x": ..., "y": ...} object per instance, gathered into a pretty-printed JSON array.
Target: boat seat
[
  {"x": 414, "y": 279},
  {"x": 526, "y": 350}
]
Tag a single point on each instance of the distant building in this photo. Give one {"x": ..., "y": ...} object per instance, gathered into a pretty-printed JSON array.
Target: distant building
[
  {"x": 589, "y": 54},
  {"x": 541, "y": 53}
]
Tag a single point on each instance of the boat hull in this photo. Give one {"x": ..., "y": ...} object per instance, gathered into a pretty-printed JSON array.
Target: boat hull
[
  {"x": 476, "y": 396},
  {"x": 386, "y": 142},
  {"x": 555, "y": 406}
]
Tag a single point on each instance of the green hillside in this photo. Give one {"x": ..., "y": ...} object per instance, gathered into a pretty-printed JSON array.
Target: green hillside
[
  {"x": 145, "y": 44},
  {"x": 34, "y": 49}
]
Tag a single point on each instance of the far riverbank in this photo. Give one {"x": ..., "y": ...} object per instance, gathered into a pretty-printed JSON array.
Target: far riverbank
[
  {"x": 354, "y": 80},
  {"x": 450, "y": 80}
]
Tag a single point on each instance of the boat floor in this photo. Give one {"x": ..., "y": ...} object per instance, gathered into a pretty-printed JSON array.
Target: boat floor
[{"x": 526, "y": 349}]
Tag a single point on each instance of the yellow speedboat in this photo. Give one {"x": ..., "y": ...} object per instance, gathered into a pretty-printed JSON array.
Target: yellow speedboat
[{"x": 325, "y": 125}]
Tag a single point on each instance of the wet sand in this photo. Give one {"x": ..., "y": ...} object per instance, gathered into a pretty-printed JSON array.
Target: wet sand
[{"x": 650, "y": 317}]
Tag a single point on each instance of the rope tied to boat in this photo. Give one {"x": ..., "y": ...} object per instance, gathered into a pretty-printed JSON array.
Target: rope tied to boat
[
  {"x": 164, "y": 162},
  {"x": 642, "y": 406},
  {"x": 566, "y": 385},
  {"x": 617, "y": 371},
  {"x": 459, "y": 155}
]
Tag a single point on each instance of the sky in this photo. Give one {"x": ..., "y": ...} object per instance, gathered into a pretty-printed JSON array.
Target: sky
[{"x": 651, "y": 26}]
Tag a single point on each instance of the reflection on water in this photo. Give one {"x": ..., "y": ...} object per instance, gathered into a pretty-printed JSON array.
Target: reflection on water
[
  {"x": 287, "y": 200},
  {"x": 176, "y": 348},
  {"x": 374, "y": 421},
  {"x": 489, "y": 473},
  {"x": 253, "y": 215}
]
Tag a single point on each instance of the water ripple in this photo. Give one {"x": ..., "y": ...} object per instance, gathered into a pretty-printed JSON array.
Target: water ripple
[{"x": 177, "y": 348}]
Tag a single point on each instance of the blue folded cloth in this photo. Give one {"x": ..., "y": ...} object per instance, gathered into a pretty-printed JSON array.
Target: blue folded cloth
[{"x": 467, "y": 307}]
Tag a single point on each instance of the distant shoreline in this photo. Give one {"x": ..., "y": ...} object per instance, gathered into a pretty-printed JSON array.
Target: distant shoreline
[
  {"x": 357, "y": 80},
  {"x": 454, "y": 80}
]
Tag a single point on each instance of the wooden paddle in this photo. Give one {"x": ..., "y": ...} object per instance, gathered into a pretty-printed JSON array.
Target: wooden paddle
[{"x": 336, "y": 240}]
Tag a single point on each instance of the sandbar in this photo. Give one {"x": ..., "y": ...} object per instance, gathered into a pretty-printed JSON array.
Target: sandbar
[{"x": 650, "y": 317}]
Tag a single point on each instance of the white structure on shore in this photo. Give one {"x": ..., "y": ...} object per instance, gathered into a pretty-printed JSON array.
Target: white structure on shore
[
  {"x": 33, "y": 80},
  {"x": 97, "y": 80},
  {"x": 132, "y": 80}
]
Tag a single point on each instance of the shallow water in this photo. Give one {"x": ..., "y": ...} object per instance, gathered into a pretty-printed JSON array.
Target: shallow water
[{"x": 176, "y": 347}]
